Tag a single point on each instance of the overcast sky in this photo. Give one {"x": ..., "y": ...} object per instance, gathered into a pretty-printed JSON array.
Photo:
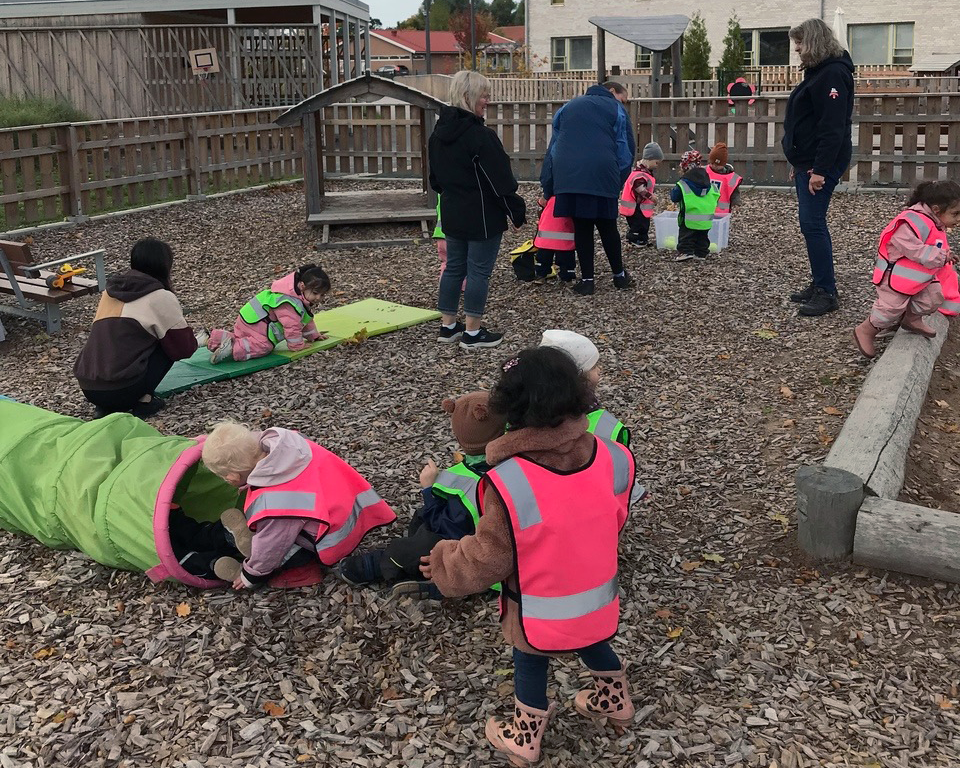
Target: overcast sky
[{"x": 392, "y": 11}]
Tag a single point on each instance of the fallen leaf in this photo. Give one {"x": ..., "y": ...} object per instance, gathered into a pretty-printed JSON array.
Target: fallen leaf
[
  {"x": 274, "y": 710},
  {"x": 183, "y": 609},
  {"x": 389, "y": 694},
  {"x": 946, "y": 704},
  {"x": 674, "y": 633},
  {"x": 713, "y": 557},
  {"x": 942, "y": 403},
  {"x": 787, "y": 423},
  {"x": 59, "y": 717},
  {"x": 266, "y": 413},
  {"x": 786, "y": 392},
  {"x": 664, "y": 613},
  {"x": 503, "y": 671},
  {"x": 782, "y": 519},
  {"x": 129, "y": 719},
  {"x": 685, "y": 490},
  {"x": 304, "y": 757},
  {"x": 723, "y": 356},
  {"x": 950, "y": 428},
  {"x": 766, "y": 333},
  {"x": 359, "y": 337},
  {"x": 691, "y": 565},
  {"x": 458, "y": 457},
  {"x": 45, "y": 653},
  {"x": 830, "y": 410}
]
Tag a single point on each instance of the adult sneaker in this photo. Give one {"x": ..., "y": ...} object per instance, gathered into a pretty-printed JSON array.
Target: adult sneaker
[
  {"x": 481, "y": 339},
  {"x": 151, "y": 407},
  {"x": 622, "y": 281},
  {"x": 450, "y": 335},
  {"x": 584, "y": 288},
  {"x": 820, "y": 303},
  {"x": 802, "y": 297}
]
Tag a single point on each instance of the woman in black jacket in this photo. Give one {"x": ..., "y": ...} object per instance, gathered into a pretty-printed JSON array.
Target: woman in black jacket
[
  {"x": 471, "y": 170},
  {"x": 818, "y": 146}
]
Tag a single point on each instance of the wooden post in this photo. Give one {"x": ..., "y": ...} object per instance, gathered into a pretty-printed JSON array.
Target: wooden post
[
  {"x": 827, "y": 504},
  {"x": 601, "y": 56},
  {"x": 656, "y": 74},
  {"x": 194, "y": 164},
  {"x": 677, "y": 67},
  {"x": 69, "y": 163},
  {"x": 318, "y": 139},
  {"x": 312, "y": 160}
]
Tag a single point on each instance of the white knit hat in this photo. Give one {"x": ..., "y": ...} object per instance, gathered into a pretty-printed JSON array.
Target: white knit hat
[{"x": 583, "y": 351}]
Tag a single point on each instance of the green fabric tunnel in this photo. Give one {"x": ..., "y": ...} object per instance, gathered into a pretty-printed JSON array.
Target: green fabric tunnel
[{"x": 104, "y": 487}]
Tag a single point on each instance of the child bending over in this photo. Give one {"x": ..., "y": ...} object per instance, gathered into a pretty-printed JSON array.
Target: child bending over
[{"x": 283, "y": 312}]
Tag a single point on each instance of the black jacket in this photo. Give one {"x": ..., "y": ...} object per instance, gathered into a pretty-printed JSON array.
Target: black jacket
[
  {"x": 471, "y": 171},
  {"x": 818, "y": 122}
]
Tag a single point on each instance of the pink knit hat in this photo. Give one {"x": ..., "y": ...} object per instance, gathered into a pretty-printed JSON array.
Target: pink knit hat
[{"x": 690, "y": 159}]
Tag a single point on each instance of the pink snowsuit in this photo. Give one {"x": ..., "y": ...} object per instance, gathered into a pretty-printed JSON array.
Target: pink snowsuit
[
  {"x": 251, "y": 341},
  {"x": 890, "y": 306}
]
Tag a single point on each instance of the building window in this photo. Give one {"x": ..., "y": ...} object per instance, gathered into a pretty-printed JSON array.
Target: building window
[
  {"x": 568, "y": 53},
  {"x": 643, "y": 58},
  {"x": 766, "y": 47},
  {"x": 881, "y": 43}
]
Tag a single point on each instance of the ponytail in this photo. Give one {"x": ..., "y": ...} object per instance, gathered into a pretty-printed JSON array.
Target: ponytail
[
  {"x": 941, "y": 194},
  {"x": 313, "y": 277}
]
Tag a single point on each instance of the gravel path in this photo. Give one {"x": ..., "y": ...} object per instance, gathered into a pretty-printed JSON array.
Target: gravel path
[{"x": 727, "y": 391}]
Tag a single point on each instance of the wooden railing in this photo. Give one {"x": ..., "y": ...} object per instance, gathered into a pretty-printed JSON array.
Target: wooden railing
[{"x": 53, "y": 171}]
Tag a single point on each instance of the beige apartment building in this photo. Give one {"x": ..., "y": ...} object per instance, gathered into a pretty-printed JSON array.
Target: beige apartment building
[{"x": 923, "y": 34}]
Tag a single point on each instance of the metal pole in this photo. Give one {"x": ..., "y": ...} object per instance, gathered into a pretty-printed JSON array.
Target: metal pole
[
  {"x": 473, "y": 36},
  {"x": 426, "y": 29}
]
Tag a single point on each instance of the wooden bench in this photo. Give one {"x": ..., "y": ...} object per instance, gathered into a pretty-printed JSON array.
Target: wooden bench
[{"x": 27, "y": 283}]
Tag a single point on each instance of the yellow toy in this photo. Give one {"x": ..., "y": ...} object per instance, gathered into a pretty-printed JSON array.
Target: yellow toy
[{"x": 64, "y": 275}]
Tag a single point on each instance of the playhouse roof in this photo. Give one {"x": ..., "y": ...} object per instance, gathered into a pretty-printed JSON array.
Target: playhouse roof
[
  {"x": 655, "y": 33},
  {"x": 936, "y": 62},
  {"x": 366, "y": 84}
]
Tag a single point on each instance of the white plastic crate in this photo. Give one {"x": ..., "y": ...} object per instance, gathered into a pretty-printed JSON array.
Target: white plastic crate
[{"x": 668, "y": 231}]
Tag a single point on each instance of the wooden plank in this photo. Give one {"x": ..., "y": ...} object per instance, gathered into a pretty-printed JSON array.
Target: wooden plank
[
  {"x": 48, "y": 136},
  {"x": 953, "y": 137},
  {"x": 28, "y": 175},
  {"x": 179, "y": 188},
  {"x": 8, "y": 169},
  {"x": 931, "y": 133},
  {"x": 864, "y": 148},
  {"x": 908, "y": 538},
  {"x": 908, "y": 169},
  {"x": 876, "y": 436},
  {"x": 761, "y": 171}
]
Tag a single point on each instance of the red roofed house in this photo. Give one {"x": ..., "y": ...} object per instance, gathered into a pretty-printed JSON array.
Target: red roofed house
[{"x": 408, "y": 47}]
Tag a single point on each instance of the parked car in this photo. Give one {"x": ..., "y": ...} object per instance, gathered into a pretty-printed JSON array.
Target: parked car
[{"x": 392, "y": 70}]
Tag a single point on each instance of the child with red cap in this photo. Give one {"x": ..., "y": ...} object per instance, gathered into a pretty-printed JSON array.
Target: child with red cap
[
  {"x": 697, "y": 199},
  {"x": 724, "y": 178}
]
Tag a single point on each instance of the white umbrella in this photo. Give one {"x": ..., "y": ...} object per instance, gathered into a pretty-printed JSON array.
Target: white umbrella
[{"x": 840, "y": 26}]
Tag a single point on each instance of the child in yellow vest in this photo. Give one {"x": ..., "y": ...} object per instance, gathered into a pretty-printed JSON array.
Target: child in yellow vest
[{"x": 697, "y": 199}]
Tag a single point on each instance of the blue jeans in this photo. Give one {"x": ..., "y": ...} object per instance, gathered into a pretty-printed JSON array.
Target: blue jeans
[
  {"x": 813, "y": 225},
  {"x": 530, "y": 671},
  {"x": 473, "y": 260}
]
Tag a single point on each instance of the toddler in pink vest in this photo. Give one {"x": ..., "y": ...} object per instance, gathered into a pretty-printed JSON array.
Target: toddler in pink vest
[
  {"x": 724, "y": 178},
  {"x": 636, "y": 200},
  {"x": 914, "y": 271}
]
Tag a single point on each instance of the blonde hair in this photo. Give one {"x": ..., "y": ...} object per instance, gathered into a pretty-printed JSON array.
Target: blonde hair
[
  {"x": 466, "y": 88},
  {"x": 231, "y": 447},
  {"x": 818, "y": 41}
]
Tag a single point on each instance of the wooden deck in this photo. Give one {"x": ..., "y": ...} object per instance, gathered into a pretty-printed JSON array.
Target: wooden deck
[{"x": 389, "y": 206}]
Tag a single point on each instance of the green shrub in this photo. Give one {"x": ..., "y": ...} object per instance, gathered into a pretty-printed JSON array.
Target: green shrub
[{"x": 16, "y": 111}]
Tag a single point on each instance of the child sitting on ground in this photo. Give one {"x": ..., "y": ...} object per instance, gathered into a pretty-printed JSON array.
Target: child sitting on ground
[
  {"x": 697, "y": 199},
  {"x": 300, "y": 498},
  {"x": 914, "y": 268},
  {"x": 637, "y": 202},
  {"x": 555, "y": 555},
  {"x": 449, "y": 508},
  {"x": 283, "y": 312},
  {"x": 554, "y": 242},
  {"x": 724, "y": 178}
]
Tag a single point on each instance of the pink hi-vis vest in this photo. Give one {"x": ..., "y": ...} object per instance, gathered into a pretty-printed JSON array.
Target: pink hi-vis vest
[
  {"x": 554, "y": 232},
  {"x": 906, "y": 275},
  {"x": 329, "y": 491},
  {"x": 951, "y": 291},
  {"x": 566, "y": 528},
  {"x": 628, "y": 201},
  {"x": 726, "y": 184}
]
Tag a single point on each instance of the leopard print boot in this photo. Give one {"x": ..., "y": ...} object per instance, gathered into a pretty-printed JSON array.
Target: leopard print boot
[
  {"x": 610, "y": 698},
  {"x": 520, "y": 740}
]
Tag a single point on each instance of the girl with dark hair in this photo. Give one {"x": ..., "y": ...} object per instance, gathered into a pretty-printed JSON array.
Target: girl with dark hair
[
  {"x": 552, "y": 509},
  {"x": 817, "y": 143},
  {"x": 283, "y": 312},
  {"x": 914, "y": 268},
  {"x": 138, "y": 332}
]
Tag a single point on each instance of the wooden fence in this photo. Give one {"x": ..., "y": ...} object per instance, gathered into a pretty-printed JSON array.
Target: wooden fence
[
  {"x": 49, "y": 172},
  {"x": 115, "y": 72}
]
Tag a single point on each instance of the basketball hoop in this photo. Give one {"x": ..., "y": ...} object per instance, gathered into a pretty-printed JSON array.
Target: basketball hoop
[
  {"x": 204, "y": 62},
  {"x": 204, "y": 73}
]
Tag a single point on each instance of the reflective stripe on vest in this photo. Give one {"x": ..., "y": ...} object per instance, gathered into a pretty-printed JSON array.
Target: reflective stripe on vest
[
  {"x": 950, "y": 307},
  {"x": 462, "y": 486},
  {"x": 528, "y": 513},
  {"x": 282, "y": 500},
  {"x": 911, "y": 271},
  {"x": 907, "y": 276},
  {"x": 571, "y": 606},
  {"x": 603, "y": 424},
  {"x": 567, "y": 236},
  {"x": 627, "y": 205},
  {"x": 920, "y": 224},
  {"x": 366, "y": 499},
  {"x": 723, "y": 206}
]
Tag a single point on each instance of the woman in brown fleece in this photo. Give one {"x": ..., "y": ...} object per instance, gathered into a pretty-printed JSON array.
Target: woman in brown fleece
[{"x": 544, "y": 399}]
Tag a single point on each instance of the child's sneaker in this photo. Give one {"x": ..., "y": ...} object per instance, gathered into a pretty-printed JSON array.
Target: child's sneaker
[
  {"x": 450, "y": 335},
  {"x": 224, "y": 351},
  {"x": 227, "y": 568},
  {"x": 481, "y": 339},
  {"x": 202, "y": 337},
  {"x": 358, "y": 570},
  {"x": 623, "y": 281},
  {"x": 236, "y": 524},
  {"x": 684, "y": 257}
]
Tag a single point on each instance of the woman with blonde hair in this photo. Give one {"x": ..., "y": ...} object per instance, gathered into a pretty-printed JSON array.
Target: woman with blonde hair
[
  {"x": 471, "y": 171},
  {"x": 817, "y": 143}
]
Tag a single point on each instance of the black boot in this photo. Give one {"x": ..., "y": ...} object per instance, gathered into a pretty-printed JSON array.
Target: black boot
[
  {"x": 820, "y": 303},
  {"x": 584, "y": 288},
  {"x": 802, "y": 297}
]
